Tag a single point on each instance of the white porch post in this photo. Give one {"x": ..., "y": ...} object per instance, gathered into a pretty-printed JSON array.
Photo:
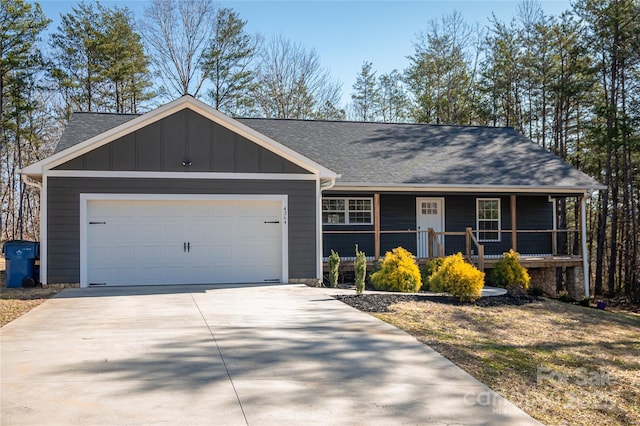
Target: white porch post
[{"x": 583, "y": 232}]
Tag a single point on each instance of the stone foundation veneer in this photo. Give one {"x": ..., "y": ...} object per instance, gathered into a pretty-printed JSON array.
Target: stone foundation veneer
[
  {"x": 64, "y": 285},
  {"x": 544, "y": 278},
  {"x": 575, "y": 283}
]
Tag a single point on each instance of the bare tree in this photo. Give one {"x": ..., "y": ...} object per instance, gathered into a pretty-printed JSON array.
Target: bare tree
[
  {"x": 176, "y": 34},
  {"x": 292, "y": 83}
]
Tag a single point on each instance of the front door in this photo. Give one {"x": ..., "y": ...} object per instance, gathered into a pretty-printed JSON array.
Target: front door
[{"x": 429, "y": 214}]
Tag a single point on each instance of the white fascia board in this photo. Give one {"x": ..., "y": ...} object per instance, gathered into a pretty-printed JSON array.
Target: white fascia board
[
  {"x": 357, "y": 187},
  {"x": 40, "y": 167},
  {"x": 112, "y": 174}
]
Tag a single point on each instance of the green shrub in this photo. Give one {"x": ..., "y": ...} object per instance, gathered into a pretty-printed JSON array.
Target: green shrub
[
  {"x": 458, "y": 278},
  {"x": 510, "y": 274},
  {"x": 428, "y": 269},
  {"x": 360, "y": 268},
  {"x": 398, "y": 272},
  {"x": 563, "y": 296},
  {"x": 334, "y": 265}
]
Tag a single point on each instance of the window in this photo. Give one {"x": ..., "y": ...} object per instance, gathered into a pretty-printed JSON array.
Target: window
[
  {"x": 347, "y": 211},
  {"x": 488, "y": 219},
  {"x": 429, "y": 207}
]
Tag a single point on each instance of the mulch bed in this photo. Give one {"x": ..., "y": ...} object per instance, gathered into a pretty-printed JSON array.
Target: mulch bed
[{"x": 381, "y": 302}]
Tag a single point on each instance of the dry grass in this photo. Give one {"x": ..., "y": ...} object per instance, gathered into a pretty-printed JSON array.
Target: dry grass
[
  {"x": 563, "y": 364},
  {"x": 18, "y": 301}
]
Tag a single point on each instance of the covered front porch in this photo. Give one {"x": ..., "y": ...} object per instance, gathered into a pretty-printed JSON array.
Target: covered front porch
[{"x": 481, "y": 226}]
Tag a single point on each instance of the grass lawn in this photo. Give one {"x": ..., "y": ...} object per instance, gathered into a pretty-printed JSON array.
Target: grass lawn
[
  {"x": 17, "y": 301},
  {"x": 561, "y": 363}
]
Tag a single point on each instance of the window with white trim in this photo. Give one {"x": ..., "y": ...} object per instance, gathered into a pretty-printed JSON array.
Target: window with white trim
[
  {"x": 429, "y": 207},
  {"x": 347, "y": 211},
  {"x": 488, "y": 219}
]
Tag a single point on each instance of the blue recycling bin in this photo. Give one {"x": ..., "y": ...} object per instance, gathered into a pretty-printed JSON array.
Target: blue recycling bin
[{"x": 20, "y": 259}]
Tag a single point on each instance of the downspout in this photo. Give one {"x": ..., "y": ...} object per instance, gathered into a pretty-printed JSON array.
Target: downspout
[
  {"x": 32, "y": 183},
  {"x": 323, "y": 185},
  {"x": 38, "y": 185},
  {"x": 583, "y": 231},
  {"x": 328, "y": 184}
]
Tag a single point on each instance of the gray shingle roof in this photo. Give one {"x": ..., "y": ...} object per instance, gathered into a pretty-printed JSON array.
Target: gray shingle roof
[
  {"x": 85, "y": 125},
  {"x": 397, "y": 154}
]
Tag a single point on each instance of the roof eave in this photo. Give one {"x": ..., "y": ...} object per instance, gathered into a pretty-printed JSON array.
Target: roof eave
[{"x": 355, "y": 186}]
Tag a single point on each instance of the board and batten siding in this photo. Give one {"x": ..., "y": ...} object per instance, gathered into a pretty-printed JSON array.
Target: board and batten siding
[
  {"x": 63, "y": 215},
  {"x": 184, "y": 136}
]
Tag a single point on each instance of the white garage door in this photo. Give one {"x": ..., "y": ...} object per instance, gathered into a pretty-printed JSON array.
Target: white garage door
[{"x": 133, "y": 242}]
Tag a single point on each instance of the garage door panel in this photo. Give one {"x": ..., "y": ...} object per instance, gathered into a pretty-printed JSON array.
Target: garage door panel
[
  {"x": 101, "y": 275},
  {"x": 122, "y": 275},
  {"x": 118, "y": 232},
  {"x": 121, "y": 254},
  {"x": 144, "y": 242},
  {"x": 174, "y": 233}
]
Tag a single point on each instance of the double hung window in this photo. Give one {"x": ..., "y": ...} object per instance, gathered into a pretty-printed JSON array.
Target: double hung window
[
  {"x": 488, "y": 219},
  {"x": 347, "y": 211}
]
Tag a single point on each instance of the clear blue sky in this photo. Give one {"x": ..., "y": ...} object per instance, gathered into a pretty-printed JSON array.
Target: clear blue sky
[{"x": 346, "y": 33}]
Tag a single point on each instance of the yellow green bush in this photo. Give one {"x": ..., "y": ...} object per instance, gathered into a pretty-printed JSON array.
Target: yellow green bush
[
  {"x": 458, "y": 278},
  {"x": 397, "y": 271},
  {"x": 509, "y": 273}
]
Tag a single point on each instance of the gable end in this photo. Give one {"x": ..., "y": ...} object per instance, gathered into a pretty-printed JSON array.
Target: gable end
[{"x": 184, "y": 141}]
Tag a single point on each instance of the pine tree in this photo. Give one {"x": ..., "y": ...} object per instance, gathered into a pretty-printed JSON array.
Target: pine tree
[
  {"x": 20, "y": 74},
  {"x": 393, "y": 101},
  {"x": 227, "y": 63},
  {"x": 99, "y": 62},
  {"x": 502, "y": 78},
  {"x": 78, "y": 67},
  {"x": 365, "y": 95},
  {"x": 613, "y": 34},
  {"x": 441, "y": 75},
  {"x": 124, "y": 63}
]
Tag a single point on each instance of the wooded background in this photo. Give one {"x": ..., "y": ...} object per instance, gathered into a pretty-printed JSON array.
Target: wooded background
[{"x": 570, "y": 83}]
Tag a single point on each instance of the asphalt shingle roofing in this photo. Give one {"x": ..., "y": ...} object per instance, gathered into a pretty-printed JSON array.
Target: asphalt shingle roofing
[
  {"x": 379, "y": 153},
  {"x": 85, "y": 125},
  {"x": 397, "y": 154}
]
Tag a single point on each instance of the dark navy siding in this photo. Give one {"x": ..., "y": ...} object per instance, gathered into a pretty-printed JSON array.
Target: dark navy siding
[
  {"x": 398, "y": 212},
  {"x": 63, "y": 215},
  {"x": 345, "y": 244},
  {"x": 183, "y": 136}
]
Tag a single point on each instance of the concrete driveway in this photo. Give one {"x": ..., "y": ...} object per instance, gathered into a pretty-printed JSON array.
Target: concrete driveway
[{"x": 236, "y": 355}]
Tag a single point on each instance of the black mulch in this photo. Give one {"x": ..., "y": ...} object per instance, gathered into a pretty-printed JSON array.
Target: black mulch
[{"x": 381, "y": 302}]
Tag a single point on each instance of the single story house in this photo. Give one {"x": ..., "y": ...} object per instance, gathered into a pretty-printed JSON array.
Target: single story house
[{"x": 184, "y": 194}]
